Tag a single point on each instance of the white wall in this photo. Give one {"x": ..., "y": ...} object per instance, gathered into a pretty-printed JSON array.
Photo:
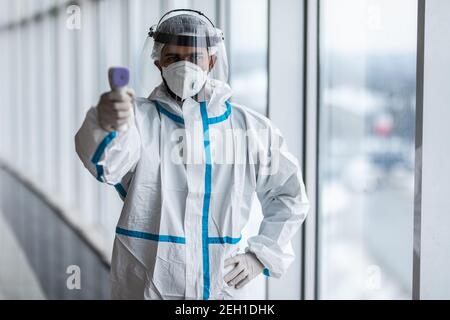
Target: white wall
[
  {"x": 286, "y": 111},
  {"x": 435, "y": 215}
]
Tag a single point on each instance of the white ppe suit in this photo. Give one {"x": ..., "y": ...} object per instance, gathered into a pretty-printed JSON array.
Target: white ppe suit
[{"x": 182, "y": 219}]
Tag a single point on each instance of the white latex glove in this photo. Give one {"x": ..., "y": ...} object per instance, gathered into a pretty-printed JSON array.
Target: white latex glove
[
  {"x": 115, "y": 109},
  {"x": 247, "y": 267}
]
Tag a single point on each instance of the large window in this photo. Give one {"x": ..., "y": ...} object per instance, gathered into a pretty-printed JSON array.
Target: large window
[
  {"x": 248, "y": 43},
  {"x": 366, "y": 148}
]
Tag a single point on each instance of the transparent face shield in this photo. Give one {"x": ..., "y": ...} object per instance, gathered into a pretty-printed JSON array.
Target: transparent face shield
[{"x": 190, "y": 53}]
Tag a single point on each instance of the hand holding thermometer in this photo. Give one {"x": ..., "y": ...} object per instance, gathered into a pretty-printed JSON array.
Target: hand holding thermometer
[{"x": 119, "y": 78}]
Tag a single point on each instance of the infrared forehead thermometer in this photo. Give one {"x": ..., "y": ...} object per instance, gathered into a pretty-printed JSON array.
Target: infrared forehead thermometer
[{"x": 119, "y": 78}]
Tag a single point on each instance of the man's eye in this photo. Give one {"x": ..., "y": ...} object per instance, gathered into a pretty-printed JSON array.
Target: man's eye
[{"x": 172, "y": 59}]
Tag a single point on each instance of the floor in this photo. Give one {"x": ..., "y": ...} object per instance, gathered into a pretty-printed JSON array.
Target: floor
[{"x": 17, "y": 280}]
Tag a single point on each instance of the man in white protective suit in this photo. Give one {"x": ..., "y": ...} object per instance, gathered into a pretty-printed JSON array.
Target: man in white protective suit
[{"x": 188, "y": 163}]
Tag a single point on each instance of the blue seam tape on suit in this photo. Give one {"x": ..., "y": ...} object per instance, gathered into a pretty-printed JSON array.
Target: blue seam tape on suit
[
  {"x": 121, "y": 190},
  {"x": 175, "y": 239},
  {"x": 102, "y": 147},
  {"x": 223, "y": 117},
  {"x": 180, "y": 120},
  {"x": 206, "y": 202},
  {"x": 169, "y": 114},
  {"x": 99, "y": 169},
  {"x": 98, "y": 156},
  {"x": 224, "y": 240},
  {"x": 150, "y": 236}
]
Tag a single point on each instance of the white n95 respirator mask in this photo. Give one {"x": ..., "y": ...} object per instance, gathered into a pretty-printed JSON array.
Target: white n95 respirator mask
[{"x": 184, "y": 78}]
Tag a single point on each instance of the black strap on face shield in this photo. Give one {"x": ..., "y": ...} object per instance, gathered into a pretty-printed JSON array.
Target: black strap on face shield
[
  {"x": 183, "y": 40},
  {"x": 186, "y": 10}
]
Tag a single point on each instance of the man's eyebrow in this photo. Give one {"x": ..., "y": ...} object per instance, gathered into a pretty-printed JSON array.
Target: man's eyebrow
[
  {"x": 172, "y": 54},
  {"x": 198, "y": 53}
]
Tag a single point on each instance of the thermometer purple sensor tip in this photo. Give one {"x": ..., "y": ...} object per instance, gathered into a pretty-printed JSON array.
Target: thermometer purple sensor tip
[{"x": 119, "y": 77}]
